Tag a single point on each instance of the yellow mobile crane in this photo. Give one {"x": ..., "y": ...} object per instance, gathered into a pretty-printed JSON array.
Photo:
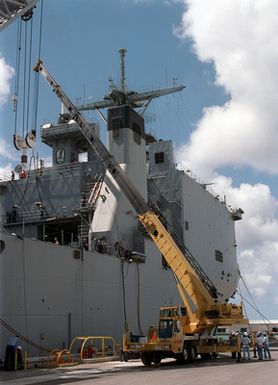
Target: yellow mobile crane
[{"x": 184, "y": 331}]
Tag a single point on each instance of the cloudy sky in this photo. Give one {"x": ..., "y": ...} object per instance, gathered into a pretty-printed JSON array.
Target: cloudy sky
[{"x": 224, "y": 126}]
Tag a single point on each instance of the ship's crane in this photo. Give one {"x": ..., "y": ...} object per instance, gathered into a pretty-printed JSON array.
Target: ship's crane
[
  {"x": 11, "y": 9},
  {"x": 200, "y": 297}
]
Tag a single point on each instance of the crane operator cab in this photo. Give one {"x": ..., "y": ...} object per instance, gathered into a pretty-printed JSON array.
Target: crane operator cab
[{"x": 170, "y": 321}]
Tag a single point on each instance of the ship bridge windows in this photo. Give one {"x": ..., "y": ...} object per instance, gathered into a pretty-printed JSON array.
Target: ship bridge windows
[
  {"x": 218, "y": 255},
  {"x": 159, "y": 157}
]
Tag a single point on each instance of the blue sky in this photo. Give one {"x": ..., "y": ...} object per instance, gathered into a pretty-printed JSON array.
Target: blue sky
[{"x": 223, "y": 125}]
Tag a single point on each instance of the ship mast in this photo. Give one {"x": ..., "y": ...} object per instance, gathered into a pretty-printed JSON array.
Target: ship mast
[
  {"x": 122, "y": 52},
  {"x": 121, "y": 95}
]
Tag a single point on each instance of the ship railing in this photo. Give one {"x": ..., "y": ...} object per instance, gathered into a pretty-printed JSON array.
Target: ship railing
[
  {"x": 5, "y": 177},
  {"x": 70, "y": 168},
  {"x": 25, "y": 216},
  {"x": 206, "y": 186}
]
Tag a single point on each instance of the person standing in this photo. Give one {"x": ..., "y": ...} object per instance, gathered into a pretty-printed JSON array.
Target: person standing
[
  {"x": 259, "y": 343},
  {"x": 9, "y": 363},
  {"x": 245, "y": 341},
  {"x": 254, "y": 344},
  {"x": 266, "y": 346}
]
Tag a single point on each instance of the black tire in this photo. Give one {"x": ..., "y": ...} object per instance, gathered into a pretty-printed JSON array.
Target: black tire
[
  {"x": 146, "y": 358},
  {"x": 188, "y": 354},
  {"x": 214, "y": 355},
  {"x": 156, "y": 359}
]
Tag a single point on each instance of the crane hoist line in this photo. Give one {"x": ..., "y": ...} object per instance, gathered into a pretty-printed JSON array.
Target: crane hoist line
[{"x": 147, "y": 217}]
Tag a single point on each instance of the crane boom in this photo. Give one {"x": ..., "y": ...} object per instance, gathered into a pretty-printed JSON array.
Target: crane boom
[{"x": 192, "y": 280}]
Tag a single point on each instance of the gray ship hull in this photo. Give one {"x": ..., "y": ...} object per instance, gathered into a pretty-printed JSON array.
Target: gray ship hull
[{"x": 52, "y": 296}]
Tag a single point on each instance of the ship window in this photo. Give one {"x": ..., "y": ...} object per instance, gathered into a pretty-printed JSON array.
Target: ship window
[
  {"x": 83, "y": 157},
  {"x": 136, "y": 132},
  {"x": 159, "y": 157},
  {"x": 219, "y": 255},
  {"x": 186, "y": 225}
]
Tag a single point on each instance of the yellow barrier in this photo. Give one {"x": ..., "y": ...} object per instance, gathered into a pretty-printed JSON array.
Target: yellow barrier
[
  {"x": 94, "y": 346},
  {"x": 60, "y": 358}
]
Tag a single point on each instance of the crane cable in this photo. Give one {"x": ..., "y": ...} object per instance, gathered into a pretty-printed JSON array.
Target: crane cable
[
  {"x": 24, "y": 82},
  {"x": 254, "y": 306},
  {"x": 18, "y": 56},
  {"x": 36, "y": 82},
  {"x": 138, "y": 299},
  {"x": 29, "y": 74}
]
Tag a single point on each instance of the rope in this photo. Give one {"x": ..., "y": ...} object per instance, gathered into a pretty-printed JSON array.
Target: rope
[
  {"x": 124, "y": 296},
  {"x": 29, "y": 73},
  {"x": 24, "y": 81},
  {"x": 249, "y": 293},
  {"x": 37, "y": 76},
  {"x": 253, "y": 307},
  {"x": 18, "y": 56},
  {"x": 22, "y": 337},
  {"x": 26, "y": 184},
  {"x": 138, "y": 300}
]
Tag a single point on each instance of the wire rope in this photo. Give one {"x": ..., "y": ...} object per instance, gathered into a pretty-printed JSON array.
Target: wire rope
[
  {"x": 24, "y": 81},
  {"x": 37, "y": 76},
  {"x": 257, "y": 310},
  {"x": 17, "y": 70},
  {"x": 138, "y": 299},
  {"x": 22, "y": 337},
  {"x": 29, "y": 74},
  {"x": 248, "y": 291}
]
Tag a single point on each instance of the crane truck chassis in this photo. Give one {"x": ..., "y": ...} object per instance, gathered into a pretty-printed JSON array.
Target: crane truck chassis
[{"x": 184, "y": 331}]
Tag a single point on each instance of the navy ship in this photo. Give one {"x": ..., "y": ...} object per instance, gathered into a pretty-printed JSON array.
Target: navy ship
[{"x": 74, "y": 259}]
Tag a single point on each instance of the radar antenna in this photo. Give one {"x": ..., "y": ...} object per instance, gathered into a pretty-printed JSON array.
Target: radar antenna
[{"x": 121, "y": 95}]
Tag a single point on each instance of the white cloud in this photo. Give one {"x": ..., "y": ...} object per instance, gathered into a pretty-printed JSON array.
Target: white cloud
[
  {"x": 256, "y": 234},
  {"x": 6, "y": 74},
  {"x": 240, "y": 38},
  {"x": 6, "y": 150},
  {"x": 5, "y": 171}
]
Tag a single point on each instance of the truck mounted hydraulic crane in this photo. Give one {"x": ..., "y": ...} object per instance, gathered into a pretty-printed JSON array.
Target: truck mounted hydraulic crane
[{"x": 183, "y": 331}]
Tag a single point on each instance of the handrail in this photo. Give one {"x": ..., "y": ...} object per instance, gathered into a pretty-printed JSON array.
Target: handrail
[{"x": 85, "y": 353}]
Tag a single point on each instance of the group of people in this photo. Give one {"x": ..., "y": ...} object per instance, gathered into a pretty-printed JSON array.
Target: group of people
[{"x": 260, "y": 342}]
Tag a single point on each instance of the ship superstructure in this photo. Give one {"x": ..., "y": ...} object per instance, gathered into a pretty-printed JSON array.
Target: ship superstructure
[{"x": 74, "y": 259}]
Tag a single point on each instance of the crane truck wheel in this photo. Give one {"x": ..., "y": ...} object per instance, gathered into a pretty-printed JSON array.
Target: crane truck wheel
[
  {"x": 156, "y": 359},
  {"x": 188, "y": 354},
  {"x": 146, "y": 358}
]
